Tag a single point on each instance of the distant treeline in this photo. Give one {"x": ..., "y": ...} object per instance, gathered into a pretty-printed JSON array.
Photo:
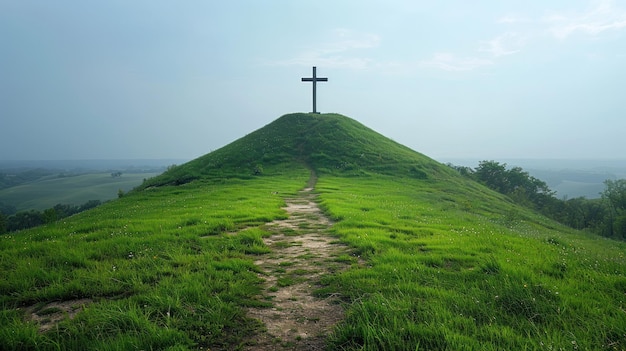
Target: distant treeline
[
  {"x": 29, "y": 219},
  {"x": 605, "y": 216}
]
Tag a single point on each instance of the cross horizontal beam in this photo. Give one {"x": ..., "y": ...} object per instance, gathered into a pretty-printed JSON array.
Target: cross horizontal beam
[{"x": 315, "y": 79}]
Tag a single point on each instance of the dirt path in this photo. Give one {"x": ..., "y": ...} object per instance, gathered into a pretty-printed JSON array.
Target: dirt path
[{"x": 302, "y": 252}]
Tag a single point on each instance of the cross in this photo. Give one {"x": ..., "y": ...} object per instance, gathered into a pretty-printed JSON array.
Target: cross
[{"x": 315, "y": 79}]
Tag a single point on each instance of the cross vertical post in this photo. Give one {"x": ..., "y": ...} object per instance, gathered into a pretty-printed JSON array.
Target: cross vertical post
[{"x": 314, "y": 80}]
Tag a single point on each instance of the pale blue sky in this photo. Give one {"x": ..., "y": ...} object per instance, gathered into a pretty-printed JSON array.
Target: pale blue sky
[{"x": 450, "y": 79}]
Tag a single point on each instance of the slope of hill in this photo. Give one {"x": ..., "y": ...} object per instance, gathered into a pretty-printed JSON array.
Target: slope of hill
[
  {"x": 437, "y": 262},
  {"x": 325, "y": 143}
]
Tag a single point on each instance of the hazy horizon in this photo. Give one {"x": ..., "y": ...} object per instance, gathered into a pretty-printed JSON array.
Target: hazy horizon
[
  {"x": 145, "y": 80},
  {"x": 462, "y": 161},
  {"x": 539, "y": 163}
]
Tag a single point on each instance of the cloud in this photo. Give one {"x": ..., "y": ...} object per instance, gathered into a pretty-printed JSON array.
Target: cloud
[
  {"x": 503, "y": 45},
  {"x": 345, "y": 48},
  {"x": 340, "y": 51},
  {"x": 449, "y": 62},
  {"x": 603, "y": 17}
]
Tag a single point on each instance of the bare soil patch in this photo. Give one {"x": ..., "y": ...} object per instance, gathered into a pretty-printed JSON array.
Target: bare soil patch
[
  {"x": 302, "y": 252},
  {"x": 48, "y": 316}
]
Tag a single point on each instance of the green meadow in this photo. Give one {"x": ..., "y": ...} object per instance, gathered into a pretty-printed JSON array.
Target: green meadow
[
  {"x": 438, "y": 262},
  {"x": 160, "y": 268},
  {"x": 72, "y": 190},
  {"x": 452, "y": 269}
]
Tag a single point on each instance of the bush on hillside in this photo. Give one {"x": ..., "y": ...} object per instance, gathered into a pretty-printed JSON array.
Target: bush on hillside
[{"x": 606, "y": 216}]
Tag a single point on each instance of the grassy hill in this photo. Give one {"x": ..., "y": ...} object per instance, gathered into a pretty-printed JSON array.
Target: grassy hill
[
  {"x": 325, "y": 143},
  {"x": 438, "y": 262}
]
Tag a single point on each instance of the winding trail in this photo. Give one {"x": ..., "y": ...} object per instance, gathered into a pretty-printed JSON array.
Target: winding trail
[{"x": 302, "y": 252}]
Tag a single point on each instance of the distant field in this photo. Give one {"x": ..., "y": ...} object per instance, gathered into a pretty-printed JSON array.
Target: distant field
[
  {"x": 72, "y": 190},
  {"x": 571, "y": 189}
]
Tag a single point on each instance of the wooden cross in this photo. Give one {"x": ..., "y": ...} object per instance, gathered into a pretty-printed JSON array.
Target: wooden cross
[{"x": 314, "y": 79}]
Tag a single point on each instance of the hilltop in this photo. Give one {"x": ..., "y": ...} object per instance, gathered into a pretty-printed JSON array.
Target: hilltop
[
  {"x": 423, "y": 258},
  {"x": 325, "y": 143}
]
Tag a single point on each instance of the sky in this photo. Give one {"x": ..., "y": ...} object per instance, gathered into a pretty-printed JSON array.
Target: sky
[{"x": 487, "y": 80}]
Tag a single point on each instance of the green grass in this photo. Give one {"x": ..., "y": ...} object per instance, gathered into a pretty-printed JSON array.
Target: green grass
[
  {"x": 326, "y": 143},
  {"x": 441, "y": 274},
  {"x": 161, "y": 266},
  {"x": 437, "y": 262},
  {"x": 70, "y": 190}
]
